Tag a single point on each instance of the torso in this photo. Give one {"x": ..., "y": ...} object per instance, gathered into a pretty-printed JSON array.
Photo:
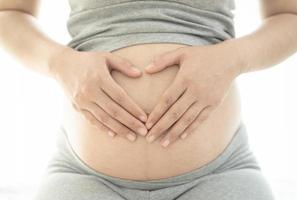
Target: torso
[{"x": 140, "y": 160}]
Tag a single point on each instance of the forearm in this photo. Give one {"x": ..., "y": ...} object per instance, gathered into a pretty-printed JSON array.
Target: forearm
[
  {"x": 21, "y": 36},
  {"x": 274, "y": 41}
]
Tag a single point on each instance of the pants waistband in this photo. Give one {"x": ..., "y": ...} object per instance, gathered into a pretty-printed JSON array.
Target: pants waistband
[{"x": 239, "y": 141}]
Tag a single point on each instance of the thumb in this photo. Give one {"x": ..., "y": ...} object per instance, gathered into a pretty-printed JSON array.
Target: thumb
[
  {"x": 163, "y": 61},
  {"x": 123, "y": 65}
]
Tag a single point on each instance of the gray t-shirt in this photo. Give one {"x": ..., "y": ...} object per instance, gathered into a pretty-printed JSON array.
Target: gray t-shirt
[{"x": 107, "y": 25}]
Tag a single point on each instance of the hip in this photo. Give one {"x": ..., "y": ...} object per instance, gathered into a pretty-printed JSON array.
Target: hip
[{"x": 224, "y": 175}]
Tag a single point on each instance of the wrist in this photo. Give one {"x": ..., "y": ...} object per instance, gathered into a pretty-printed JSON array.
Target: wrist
[
  {"x": 237, "y": 56},
  {"x": 54, "y": 60}
]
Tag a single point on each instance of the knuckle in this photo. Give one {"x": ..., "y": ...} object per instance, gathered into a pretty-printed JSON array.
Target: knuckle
[
  {"x": 173, "y": 132},
  {"x": 126, "y": 131},
  {"x": 120, "y": 131},
  {"x": 114, "y": 113},
  {"x": 103, "y": 118},
  {"x": 190, "y": 129},
  {"x": 119, "y": 98},
  {"x": 174, "y": 115},
  {"x": 157, "y": 130},
  {"x": 167, "y": 101},
  {"x": 189, "y": 119},
  {"x": 94, "y": 122},
  {"x": 132, "y": 124},
  {"x": 87, "y": 116},
  {"x": 127, "y": 63},
  {"x": 202, "y": 118},
  {"x": 172, "y": 135}
]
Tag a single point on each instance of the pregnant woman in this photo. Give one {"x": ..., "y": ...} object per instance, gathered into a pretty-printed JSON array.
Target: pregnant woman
[{"x": 152, "y": 110}]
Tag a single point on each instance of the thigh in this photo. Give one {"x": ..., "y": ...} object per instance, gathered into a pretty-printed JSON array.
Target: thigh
[
  {"x": 243, "y": 184},
  {"x": 74, "y": 186}
]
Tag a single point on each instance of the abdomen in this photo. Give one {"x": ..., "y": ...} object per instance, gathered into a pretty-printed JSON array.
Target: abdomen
[{"x": 140, "y": 160}]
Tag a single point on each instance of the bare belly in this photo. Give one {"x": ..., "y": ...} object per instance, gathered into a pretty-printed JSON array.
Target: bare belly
[{"x": 140, "y": 160}]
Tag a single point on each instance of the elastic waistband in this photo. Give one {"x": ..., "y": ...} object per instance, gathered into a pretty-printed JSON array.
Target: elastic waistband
[{"x": 239, "y": 140}]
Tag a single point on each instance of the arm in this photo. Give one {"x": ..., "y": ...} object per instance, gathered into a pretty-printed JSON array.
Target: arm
[
  {"x": 21, "y": 36},
  {"x": 80, "y": 77},
  {"x": 275, "y": 40},
  {"x": 207, "y": 71}
]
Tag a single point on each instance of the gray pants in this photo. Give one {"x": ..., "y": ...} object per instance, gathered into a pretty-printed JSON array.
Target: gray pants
[{"x": 233, "y": 175}]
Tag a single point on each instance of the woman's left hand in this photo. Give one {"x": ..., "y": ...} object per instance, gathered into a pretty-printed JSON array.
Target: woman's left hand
[{"x": 203, "y": 80}]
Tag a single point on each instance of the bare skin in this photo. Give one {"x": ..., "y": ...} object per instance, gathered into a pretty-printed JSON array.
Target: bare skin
[
  {"x": 140, "y": 159},
  {"x": 271, "y": 43}
]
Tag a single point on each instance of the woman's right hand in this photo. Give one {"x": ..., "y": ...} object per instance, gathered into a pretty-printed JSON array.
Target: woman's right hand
[{"x": 86, "y": 80}]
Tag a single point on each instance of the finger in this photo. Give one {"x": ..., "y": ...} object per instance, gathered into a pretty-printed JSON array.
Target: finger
[
  {"x": 203, "y": 115},
  {"x": 167, "y": 59},
  {"x": 119, "y": 95},
  {"x": 90, "y": 117},
  {"x": 109, "y": 122},
  {"x": 123, "y": 65},
  {"x": 119, "y": 113},
  {"x": 170, "y": 95},
  {"x": 171, "y": 116},
  {"x": 186, "y": 119}
]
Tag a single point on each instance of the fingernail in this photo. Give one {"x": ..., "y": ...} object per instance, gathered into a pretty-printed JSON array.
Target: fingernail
[
  {"x": 149, "y": 125},
  {"x": 142, "y": 131},
  {"x": 136, "y": 70},
  {"x": 165, "y": 143},
  {"x": 183, "y": 136},
  {"x": 150, "y": 138},
  {"x": 151, "y": 65},
  {"x": 111, "y": 134},
  {"x": 131, "y": 137},
  {"x": 142, "y": 118}
]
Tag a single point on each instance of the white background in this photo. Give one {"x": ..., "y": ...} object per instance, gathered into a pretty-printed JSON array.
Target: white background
[{"x": 31, "y": 111}]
